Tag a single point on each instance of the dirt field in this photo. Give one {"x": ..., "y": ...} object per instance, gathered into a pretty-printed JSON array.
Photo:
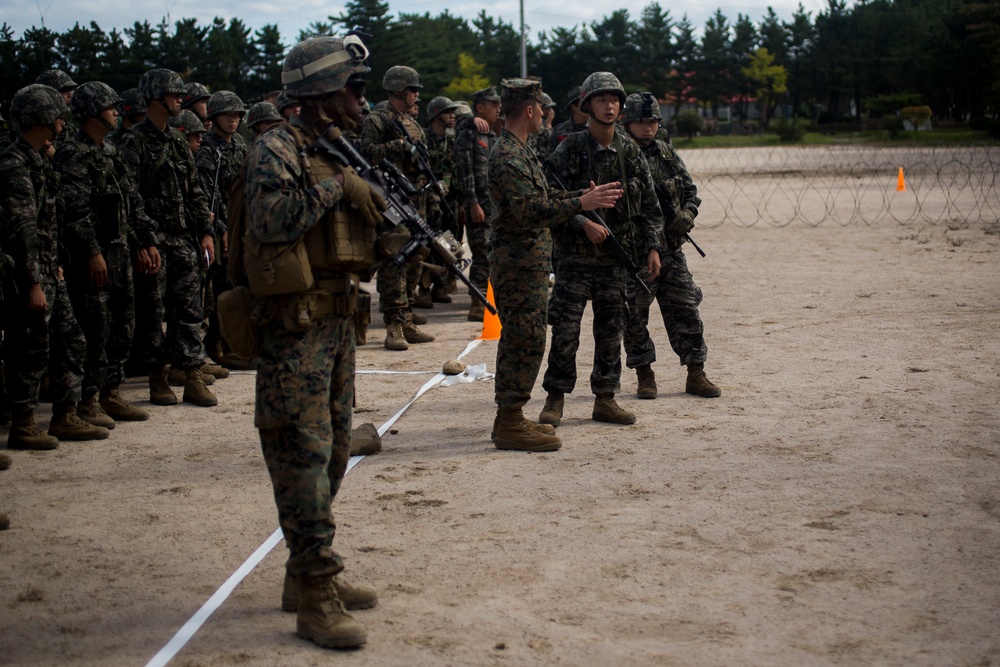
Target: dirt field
[{"x": 838, "y": 505}]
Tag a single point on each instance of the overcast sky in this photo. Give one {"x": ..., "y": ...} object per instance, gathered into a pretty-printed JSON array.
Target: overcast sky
[{"x": 293, "y": 16}]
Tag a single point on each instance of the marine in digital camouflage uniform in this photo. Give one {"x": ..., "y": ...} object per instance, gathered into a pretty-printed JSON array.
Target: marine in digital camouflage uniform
[
  {"x": 441, "y": 148},
  {"x": 97, "y": 238},
  {"x": 131, "y": 111},
  {"x": 586, "y": 271},
  {"x": 577, "y": 121},
  {"x": 472, "y": 152},
  {"x": 162, "y": 172},
  {"x": 305, "y": 383},
  {"x": 195, "y": 99},
  {"x": 674, "y": 291},
  {"x": 381, "y": 139},
  {"x": 42, "y": 332}
]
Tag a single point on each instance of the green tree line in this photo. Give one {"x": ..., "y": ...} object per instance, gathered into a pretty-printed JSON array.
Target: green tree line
[{"x": 942, "y": 53}]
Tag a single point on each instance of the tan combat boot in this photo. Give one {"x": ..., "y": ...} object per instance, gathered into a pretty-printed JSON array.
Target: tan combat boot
[
  {"x": 25, "y": 434},
  {"x": 421, "y": 299},
  {"x": 415, "y": 335},
  {"x": 606, "y": 409},
  {"x": 545, "y": 429},
  {"x": 216, "y": 372},
  {"x": 90, "y": 411},
  {"x": 699, "y": 384},
  {"x": 440, "y": 295},
  {"x": 195, "y": 390},
  {"x": 119, "y": 409},
  {"x": 514, "y": 432},
  {"x": 647, "y": 382},
  {"x": 353, "y": 597},
  {"x": 394, "y": 339},
  {"x": 159, "y": 390},
  {"x": 65, "y": 425},
  {"x": 552, "y": 410},
  {"x": 322, "y": 618},
  {"x": 417, "y": 318},
  {"x": 365, "y": 441},
  {"x": 477, "y": 312},
  {"x": 177, "y": 377}
]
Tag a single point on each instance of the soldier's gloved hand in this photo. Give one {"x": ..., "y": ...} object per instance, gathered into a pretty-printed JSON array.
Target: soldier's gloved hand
[
  {"x": 422, "y": 253},
  {"x": 368, "y": 202},
  {"x": 405, "y": 148},
  {"x": 682, "y": 223},
  {"x": 390, "y": 243}
]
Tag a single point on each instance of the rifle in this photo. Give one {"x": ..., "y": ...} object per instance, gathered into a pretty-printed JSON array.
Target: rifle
[
  {"x": 215, "y": 181},
  {"x": 614, "y": 247},
  {"x": 423, "y": 160},
  {"x": 662, "y": 196},
  {"x": 396, "y": 190}
]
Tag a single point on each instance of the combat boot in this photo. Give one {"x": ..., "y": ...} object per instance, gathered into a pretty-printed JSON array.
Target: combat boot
[
  {"x": 159, "y": 390},
  {"x": 322, "y": 618},
  {"x": 647, "y": 382},
  {"x": 119, "y": 409},
  {"x": 514, "y": 432},
  {"x": 414, "y": 335},
  {"x": 25, "y": 434},
  {"x": 417, "y": 318},
  {"x": 477, "y": 312},
  {"x": 5, "y": 461},
  {"x": 90, "y": 411},
  {"x": 195, "y": 390},
  {"x": 394, "y": 339},
  {"x": 440, "y": 295},
  {"x": 552, "y": 410},
  {"x": 177, "y": 377},
  {"x": 235, "y": 362},
  {"x": 421, "y": 299},
  {"x": 66, "y": 425},
  {"x": 606, "y": 409},
  {"x": 699, "y": 384},
  {"x": 353, "y": 597},
  {"x": 365, "y": 441},
  {"x": 215, "y": 372},
  {"x": 545, "y": 429}
]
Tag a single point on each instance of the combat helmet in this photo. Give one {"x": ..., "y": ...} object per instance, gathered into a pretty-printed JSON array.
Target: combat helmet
[
  {"x": 58, "y": 79},
  {"x": 320, "y": 66},
  {"x": 284, "y": 101},
  {"x": 641, "y": 106},
  {"x": 548, "y": 102},
  {"x": 37, "y": 104},
  {"x": 159, "y": 82},
  {"x": 438, "y": 106},
  {"x": 187, "y": 122},
  {"x": 194, "y": 92},
  {"x": 572, "y": 97},
  {"x": 132, "y": 103},
  {"x": 225, "y": 101},
  {"x": 600, "y": 83},
  {"x": 91, "y": 98},
  {"x": 262, "y": 111},
  {"x": 401, "y": 77}
]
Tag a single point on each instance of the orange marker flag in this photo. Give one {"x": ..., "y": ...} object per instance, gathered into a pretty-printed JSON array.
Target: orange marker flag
[
  {"x": 900, "y": 182},
  {"x": 491, "y": 322}
]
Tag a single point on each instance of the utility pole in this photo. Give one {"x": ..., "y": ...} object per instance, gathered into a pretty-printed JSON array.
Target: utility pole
[{"x": 524, "y": 49}]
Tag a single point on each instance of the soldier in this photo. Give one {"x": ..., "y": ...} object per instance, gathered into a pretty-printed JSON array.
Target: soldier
[
  {"x": 42, "y": 332},
  {"x": 521, "y": 252},
  {"x": 381, "y": 138},
  {"x": 305, "y": 384},
  {"x": 97, "y": 240},
  {"x": 540, "y": 142},
  {"x": 675, "y": 291},
  {"x": 131, "y": 111},
  {"x": 196, "y": 99},
  {"x": 262, "y": 117},
  {"x": 441, "y": 148},
  {"x": 61, "y": 81},
  {"x": 472, "y": 151},
  {"x": 188, "y": 124},
  {"x": 163, "y": 174},
  {"x": 586, "y": 271},
  {"x": 288, "y": 107},
  {"x": 576, "y": 122}
]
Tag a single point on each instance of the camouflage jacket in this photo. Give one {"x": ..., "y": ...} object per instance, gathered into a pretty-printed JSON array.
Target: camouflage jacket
[
  {"x": 561, "y": 131},
  {"x": 526, "y": 208},
  {"x": 472, "y": 153},
  {"x": 229, "y": 156},
  {"x": 540, "y": 143},
  {"x": 636, "y": 220},
  {"x": 281, "y": 205},
  {"x": 96, "y": 196},
  {"x": 161, "y": 170},
  {"x": 380, "y": 139},
  {"x": 674, "y": 187},
  {"x": 29, "y": 222},
  {"x": 442, "y": 151}
]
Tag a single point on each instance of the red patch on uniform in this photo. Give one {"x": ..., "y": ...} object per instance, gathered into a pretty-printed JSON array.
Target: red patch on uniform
[{"x": 484, "y": 144}]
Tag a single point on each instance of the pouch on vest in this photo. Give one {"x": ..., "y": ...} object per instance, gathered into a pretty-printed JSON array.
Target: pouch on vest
[
  {"x": 276, "y": 268},
  {"x": 235, "y": 325}
]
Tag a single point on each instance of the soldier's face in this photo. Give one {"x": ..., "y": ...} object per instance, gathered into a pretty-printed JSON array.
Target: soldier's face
[
  {"x": 489, "y": 111},
  {"x": 200, "y": 108},
  {"x": 644, "y": 130},
  {"x": 227, "y": 122},
  {"x": 448, "y": 118},
  {"x": 110, "y": 116},
  {"x": 194, "y": 141},
  {"x": 67, "y": 95},
  {"x": 537, "y": 117},
  {"x": 353, "y": 102},
  {"x": 410, "y": 97},
  {"x": 173, "y": 103},
  {"x": 605, "y": 107},
  {"x": 291, "y": 111}
]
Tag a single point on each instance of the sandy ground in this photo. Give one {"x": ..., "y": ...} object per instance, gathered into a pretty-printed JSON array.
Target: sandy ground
[{"x": 838, "y": 505}]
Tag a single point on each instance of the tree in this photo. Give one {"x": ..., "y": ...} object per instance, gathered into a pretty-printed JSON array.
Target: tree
[
  {"x": 714, "y": 71},
  {"x": 269, "y": 55},
  {"x": 656, "y": 51},
  {"x": 682, "y": 80},
  {"x": 742, "y": 51},
  {"x": 689, "y": 123},
  {"x": 469, "y": 80},
  {"x": 771, "y": 80}
]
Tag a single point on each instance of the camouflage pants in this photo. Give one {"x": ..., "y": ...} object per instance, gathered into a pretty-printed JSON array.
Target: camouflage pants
[
  {"x": 305, "y": 394},
  {"x": 392, "y": 300},
  {"x": 678, "y": 298},
  {"x": 479, "y": 270},
  {"x": 522, "y": 303},
  {"x": 603, "y": 284},
  {"x": 172, "y": 294},
  {"x": 107, "y": 318},
  {"x": 37, "y": 341}
]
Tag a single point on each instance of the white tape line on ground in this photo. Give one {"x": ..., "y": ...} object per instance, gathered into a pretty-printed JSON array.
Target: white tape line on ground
[{"x": 187, "y": 631}]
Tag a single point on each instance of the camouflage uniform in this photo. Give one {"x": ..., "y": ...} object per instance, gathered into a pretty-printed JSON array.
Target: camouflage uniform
[
  {"x": 162, "y": 172},
  {"x": 540, "y": 142},
  {"x": 562, "y": 130},
  {"x": 472, "y": 152},
  {"x": 586, "y": 271},
  {"x": 61, "y": 81}
]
